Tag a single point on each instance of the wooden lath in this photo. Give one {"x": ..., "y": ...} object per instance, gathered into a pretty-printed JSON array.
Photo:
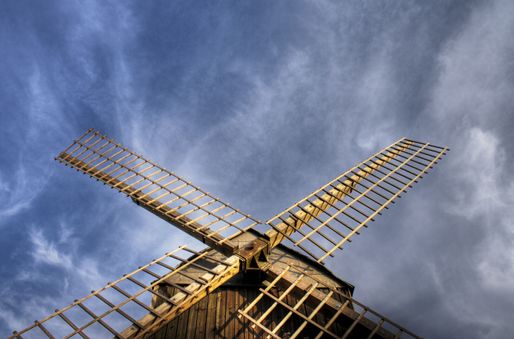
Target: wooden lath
[
  {"x": 123, "y": 308},
  {"x": 322, "y": 311},
  {"x": 326, "y": 219},
  {"x": 158, "y": 190}
]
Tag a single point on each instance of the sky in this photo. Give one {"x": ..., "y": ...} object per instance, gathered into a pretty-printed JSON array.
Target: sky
[{"x": 260, "y": 103}]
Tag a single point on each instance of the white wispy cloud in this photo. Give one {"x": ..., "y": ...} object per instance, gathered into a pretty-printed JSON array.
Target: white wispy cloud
[
  {"x": 483, "y": 197},
  {"x": 480, "y": 163},
  {"x": 46, "y": 252},
  {"x": 81, "y": 274},
  {"x": 33, "y": 169},
  {"x": 471, "y": 95},
  {"x": 18, "y": 193},
  {"x": 78, "y": 267},
  {"x": 375, "y": 96}
]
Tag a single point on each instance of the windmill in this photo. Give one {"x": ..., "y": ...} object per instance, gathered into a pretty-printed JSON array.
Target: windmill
[{"x": 246, "y": 283}]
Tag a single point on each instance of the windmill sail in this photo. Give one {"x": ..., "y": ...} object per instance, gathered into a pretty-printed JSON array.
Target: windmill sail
[
  {"x": 326, "y": 219},
  {"x": 293, "y": 302},
  {"x": 123, "y": 308},
  {"x": 158, "y": 190},
  {"x": 314, "y": 310}
]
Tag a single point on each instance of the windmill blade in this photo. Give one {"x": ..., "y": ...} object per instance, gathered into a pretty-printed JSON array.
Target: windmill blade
[
  {"x": 158, "y": 190},
  {"x": 123, "y": 308},
  {"x": 326, "y": 219},
  {"x": 301, "y": 306}
]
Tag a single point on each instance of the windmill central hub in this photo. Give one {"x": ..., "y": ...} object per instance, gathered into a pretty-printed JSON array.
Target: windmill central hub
[{"x": 254, "y": 254}]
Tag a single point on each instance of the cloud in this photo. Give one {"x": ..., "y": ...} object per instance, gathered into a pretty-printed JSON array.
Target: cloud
[
  {"x": 31, "y": 170},
  {"x": 482, "y": 196},
  {"x": 61, "y": 254},
  {"x": 471, "y": 99},
  {"x": 21, "y": 297},
  {"x": 45, "y": 251},
  {"x": 476, "y": 78},
  {"x": 20, "y": 192},
  {"x": 480, "y": 163}
]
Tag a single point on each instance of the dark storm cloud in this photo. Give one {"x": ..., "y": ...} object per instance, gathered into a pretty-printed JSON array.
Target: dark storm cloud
[{"x": 260, "y": 103}]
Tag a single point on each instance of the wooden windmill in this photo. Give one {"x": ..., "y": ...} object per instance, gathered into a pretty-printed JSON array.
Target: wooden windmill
[{"x": 246, "y": 283}]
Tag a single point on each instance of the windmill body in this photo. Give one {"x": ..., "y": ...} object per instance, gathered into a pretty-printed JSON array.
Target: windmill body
[
  {"x": 216, "y": 315},
  {"x": 247, "y": 283}
]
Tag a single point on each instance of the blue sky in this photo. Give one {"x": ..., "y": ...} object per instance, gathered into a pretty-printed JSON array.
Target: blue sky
[{"x": 260, "y": 103}]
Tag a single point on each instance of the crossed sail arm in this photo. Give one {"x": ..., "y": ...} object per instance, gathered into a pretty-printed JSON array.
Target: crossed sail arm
[
  {"x": 139, "y": 302},
  {"x": 124, "y": 308},
  {"x": 158, "y": 190},
  {"x": 326, "y": 219}
]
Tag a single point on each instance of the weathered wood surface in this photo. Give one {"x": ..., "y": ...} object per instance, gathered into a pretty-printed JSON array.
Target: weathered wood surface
[{"x": 199, "y": 321}]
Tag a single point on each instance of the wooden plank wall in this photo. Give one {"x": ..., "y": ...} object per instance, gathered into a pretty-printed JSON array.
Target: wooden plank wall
[{"x": 215, "y": 316}]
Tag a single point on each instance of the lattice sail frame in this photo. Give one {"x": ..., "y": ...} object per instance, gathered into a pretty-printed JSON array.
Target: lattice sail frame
[
  {"x": 160, "y": 191},
  {"x": 362, "y": 192},
  {"x": 323, "y": 311},
  {"x": 338, "y": 210},
  {"x": 123, "y": 308}
]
